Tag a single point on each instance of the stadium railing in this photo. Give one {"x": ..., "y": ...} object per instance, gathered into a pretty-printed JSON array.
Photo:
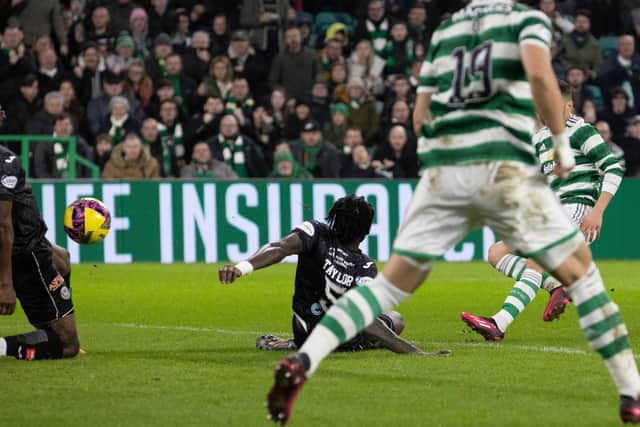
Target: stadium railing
[{"x": 73, "y": 157}]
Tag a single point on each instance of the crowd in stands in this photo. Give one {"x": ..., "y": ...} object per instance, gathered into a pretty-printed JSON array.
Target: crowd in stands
[{"x": 303, "y": 89}]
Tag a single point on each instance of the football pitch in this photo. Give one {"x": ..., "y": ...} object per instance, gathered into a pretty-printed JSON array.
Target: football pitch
[{"x": 169, "y": 346}]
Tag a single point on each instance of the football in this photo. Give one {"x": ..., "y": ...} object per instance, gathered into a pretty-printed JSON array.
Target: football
[{"x": 87, "y": 221}]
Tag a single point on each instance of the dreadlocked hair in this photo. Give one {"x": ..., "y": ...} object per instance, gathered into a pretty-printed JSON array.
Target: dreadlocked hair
[{"x": 350, "y": 218}]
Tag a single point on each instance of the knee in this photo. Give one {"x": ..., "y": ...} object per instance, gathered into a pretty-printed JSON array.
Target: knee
[{"x": 496, "y": 252}]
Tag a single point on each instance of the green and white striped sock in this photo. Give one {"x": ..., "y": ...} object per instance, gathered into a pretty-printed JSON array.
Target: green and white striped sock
[
  {"x": 521, "y": 295},
  {"x": 604, "y": 329},
  {"x": 353, "y": 312},
  {"x": 512, "y": 266}
]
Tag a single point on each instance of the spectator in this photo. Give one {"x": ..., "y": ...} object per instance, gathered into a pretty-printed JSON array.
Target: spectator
[
  {"x": 419, "y": 32},
  {"x": 618, "y": 113},
  {"x": 220, "y": 32},
  {"x": 89, "y": 73},
  {"x": 139, "y": 27},
  {"x": 240, "y": 102},
  {"x": 218, "y": 82},
  {"x": 150, "y": 138},
  {"x": 588, "y": 111},
  {"x": 285, "y": 166},
  {"x": 184, "y": 87},
  {"x": 397, "y": 157},
  {"x": 362, "y": 112},
  {"x": 375, "y": 27},
  {"x": 623, "y": 71},
  {"x": 162, "y": 18},
  {"x": 338, "y": 31},
  {"x": 197, "y": 57},
  {"x": 119, "y": 122},
  {"x": 399, "y": 51},
  {"x": 102, "y": 150},
  {"x": 181, "y": 38},
  {"x": 364, "y": 63},
  {"x": 77, "y": 39},
  {"x": 576, "y": 78},
  {"x": 295, "y": 122},
  {"x": 561, "y": 25},
  {"x": 238, "y": 151},
  {"x": 605, "y": 132},
  {"x": 320, "y": 102},
  {"x": 581, "y": 48},
  {"x": 15, "y": 61},
  {"x": 42, "y": 122},
  {"x": 559, "y": 63},
  {"x": 266, "y": 19},
  {"x": 120, "y": 11},
  {"x": 360, "y": 166},
  {"x": 100, "y": 22},
  {"x": 338, "y": 83},
  {"x": 277, "y": 107},
  {"x": 131, "y": 160},
  {"x": 318, "y": 157},
  {"x": 155, "y": 64},
  {"x": 138, "y": 84},
  {"x": 99, "y": 109},
  {"x": 631, "y": 147},
  {"x": 204, "y": 124},
  {"x": 401, "y": 115},
  {"x": 21, "y": 108},
  {"x": 265, "y": 133},
  {"x": 124, "y": 55},
  {"x": 41, "y": 17},
  {"x": 171, "y": 139},
  {"x": 248, "y": 64},
  {"x": 50, "y": 73},
  {"x": 203, "y": 165},
  {"x": 352, "y": 138},
  {"x": 72, "y": 104},
  {"x": 164, "y": 91},
  {"x": 296, "y": 67},
  {"x": 51, "y": 159},
  {"x": 335, "y": 129},
  {"x": 330, "y": 54}
]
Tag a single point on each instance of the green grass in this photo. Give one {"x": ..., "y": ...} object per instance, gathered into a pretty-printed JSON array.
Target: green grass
[{"x": 170, "y": 346}]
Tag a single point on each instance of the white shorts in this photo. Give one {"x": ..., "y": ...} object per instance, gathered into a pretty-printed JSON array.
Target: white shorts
[
  {"x": 577, "y": 212},
  {"x": 512, "y": 198}
]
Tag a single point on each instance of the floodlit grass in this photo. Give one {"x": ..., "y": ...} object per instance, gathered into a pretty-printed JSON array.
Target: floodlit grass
[{"x": 169, "y": 346}]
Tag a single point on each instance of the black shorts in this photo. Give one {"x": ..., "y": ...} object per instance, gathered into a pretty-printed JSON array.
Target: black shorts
[
  {"x": 42, "y": 292},
  {"x": 357, "y": 343}
]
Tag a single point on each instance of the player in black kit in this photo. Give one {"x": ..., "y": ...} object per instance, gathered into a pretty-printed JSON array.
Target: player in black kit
[
  {"x": 27, "y": 271},
  {"x": 329, "y": 263}
]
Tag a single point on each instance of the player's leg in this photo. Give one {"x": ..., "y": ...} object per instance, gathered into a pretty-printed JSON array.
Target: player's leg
[
  {"x": 538, "y": 228},
  {"x": 46, "y": 300}
]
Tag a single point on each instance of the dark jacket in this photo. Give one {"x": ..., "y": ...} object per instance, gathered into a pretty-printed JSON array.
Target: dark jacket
[
  {"x": 256, "y": 72},
  {"x": 48, "y": 84},
  {"x": 84, "y": 85},
  {"x": 364, "y": 117},
  {"x": 193, "y": 67},
  {"x": 352, "y": 171},
  {"x": 327, "y": 161},
  {"x": 250, "y": 18},
  {"x": 161, "y": 24},
  {"x": 98, "y": 110},
  {"x": 12, "y": 74},
  {"x": 613, "y": 74},
  {"x": 130, "y": 125},
  {"x": 254, "y": 161},
  {"x": 406, "y": 164},
  {"x": 44, "y": 159},
  {"x": 296, "y": 72}
]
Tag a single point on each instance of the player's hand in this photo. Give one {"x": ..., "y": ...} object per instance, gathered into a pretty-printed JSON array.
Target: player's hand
[
  {"x": 591, "y": 225},
  {"x": 228, "y": 274},
  {"x": 563, "y": 156},
  {"x": 7, "y": 299}
]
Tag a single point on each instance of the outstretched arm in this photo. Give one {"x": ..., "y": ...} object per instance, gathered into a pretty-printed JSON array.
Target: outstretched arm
[
  {"x": 269, "y": 254},
  {"x": 7, "y": 293}
]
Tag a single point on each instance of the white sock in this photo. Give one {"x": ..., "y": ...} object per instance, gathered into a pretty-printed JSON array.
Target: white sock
[
  {"x": 521, "y": 295},
  {"x": 3, "y": 347}
]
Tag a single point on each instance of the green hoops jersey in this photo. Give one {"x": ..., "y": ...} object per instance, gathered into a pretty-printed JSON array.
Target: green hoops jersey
[
  {"x": 597, "y": 169},
  {"x": 481, "y": 104}
]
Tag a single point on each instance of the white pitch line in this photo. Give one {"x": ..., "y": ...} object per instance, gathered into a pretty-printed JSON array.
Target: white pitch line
[
  {"x": 192, "y": 329},
  {"x": 522, "y": 347}
]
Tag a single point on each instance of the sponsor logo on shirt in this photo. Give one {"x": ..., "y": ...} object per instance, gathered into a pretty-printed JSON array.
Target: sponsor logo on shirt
[{"x": 9, "y": 181}]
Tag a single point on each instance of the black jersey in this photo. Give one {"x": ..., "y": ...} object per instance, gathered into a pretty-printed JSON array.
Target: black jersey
[
  {"x": 326, "y": 270},
  {"x": 28, "y": 226}
]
